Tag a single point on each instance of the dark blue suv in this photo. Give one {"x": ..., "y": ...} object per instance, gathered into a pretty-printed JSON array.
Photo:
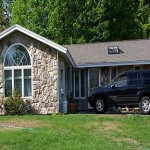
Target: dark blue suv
[{"x": 129, "y": 89}]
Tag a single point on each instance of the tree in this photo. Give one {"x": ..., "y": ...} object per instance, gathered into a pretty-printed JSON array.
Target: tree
[
  {"x": 122, "y": 21},
  {"x": 3, "y": 20},
  {"x": 143, "y": 17},
  {"x": 67, "y": 22},
  {"x": 31, "y": 14},
  {"x": 91, "y": 23}
]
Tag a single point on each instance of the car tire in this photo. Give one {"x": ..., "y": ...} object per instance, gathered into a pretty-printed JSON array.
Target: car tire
[
  {"x": 145, "y": 105},
  {"x": 100, "y": 105}
]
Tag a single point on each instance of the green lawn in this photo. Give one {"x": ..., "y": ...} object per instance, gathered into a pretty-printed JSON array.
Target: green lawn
[{"x": 75, "y": 132}]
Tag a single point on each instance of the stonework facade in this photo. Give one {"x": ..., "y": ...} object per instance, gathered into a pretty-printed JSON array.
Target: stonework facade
[{"x": 44, "y": 60}]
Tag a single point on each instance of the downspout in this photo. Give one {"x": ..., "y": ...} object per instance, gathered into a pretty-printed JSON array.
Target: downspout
[
  {"x": 58, "y": 80},
  {"x": 70, "y": 80}
]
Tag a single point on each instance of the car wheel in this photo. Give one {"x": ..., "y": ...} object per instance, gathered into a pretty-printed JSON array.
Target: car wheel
[
  {"x": 100, "y": 105},
  {"x": 145, "y": 105}
]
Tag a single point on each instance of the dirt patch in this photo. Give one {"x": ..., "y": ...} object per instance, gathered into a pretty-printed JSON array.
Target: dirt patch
[
  {"x": 109, "y": 125},
  {"x": 130, "y": 141},
  {"x": 93, "y": 125}
]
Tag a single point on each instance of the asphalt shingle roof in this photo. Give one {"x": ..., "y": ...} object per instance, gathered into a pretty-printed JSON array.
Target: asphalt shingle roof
[{"x": 92, "y": 53}]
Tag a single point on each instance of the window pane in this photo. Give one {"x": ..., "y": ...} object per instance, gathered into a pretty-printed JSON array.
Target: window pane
[
  {"x": 17, "y": 55},
  {"x": 8, "y": 82},
  {"x": 76, "y": 83},
  {"x": 137, "y": 68},
  {"x": 122, "y": 81},
  {"x": 94, "y": 78},
  {"x": 133, "y": 76},
  {"x": 146, "y": 75},
  {"x": 82, "y": 83},
  {"x": 27, "y": 82},
  {"x": 17, "y": 81},
  {"x": 113, "y": 72},
  {"x": 132, "y": 79}
]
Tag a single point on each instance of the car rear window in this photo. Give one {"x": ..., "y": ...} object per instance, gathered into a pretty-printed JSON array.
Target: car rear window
[{"x": 146, "y": 78}]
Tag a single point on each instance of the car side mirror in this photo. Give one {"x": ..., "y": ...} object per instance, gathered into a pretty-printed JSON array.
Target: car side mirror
[{"x": 114, "y": 85}]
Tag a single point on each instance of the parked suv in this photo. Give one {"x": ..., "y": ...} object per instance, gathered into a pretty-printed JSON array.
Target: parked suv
[{"x": 129, "y": 89}]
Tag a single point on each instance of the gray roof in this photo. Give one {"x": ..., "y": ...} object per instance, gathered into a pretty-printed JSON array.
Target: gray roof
[{"x": 96, "y": 54}]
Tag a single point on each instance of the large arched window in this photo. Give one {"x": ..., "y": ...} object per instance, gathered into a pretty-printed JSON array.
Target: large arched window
[{"x": 17, "y": 70}]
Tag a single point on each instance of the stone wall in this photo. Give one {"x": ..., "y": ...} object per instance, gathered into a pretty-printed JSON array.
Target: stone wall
[{"x": 44, "y": 74}]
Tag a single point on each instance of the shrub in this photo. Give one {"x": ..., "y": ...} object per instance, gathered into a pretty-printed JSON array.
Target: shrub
[{"x": 14, "y": 105}]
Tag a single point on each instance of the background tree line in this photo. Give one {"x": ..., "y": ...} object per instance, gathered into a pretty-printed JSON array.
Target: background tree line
[{"x": 79, "y": 21}]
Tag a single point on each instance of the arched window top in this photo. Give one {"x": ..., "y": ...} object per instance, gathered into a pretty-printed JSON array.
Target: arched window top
[{"x": 17, "y": 55}]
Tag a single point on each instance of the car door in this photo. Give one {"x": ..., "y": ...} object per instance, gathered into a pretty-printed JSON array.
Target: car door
[
  {"x": 133, "y": 86},
  {"x": 117, "y": 94}
]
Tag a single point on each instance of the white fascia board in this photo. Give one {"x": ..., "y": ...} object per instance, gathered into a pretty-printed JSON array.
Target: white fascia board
[
  {"x": 70, "y": 59},
  {"x": 7, "y": 32},
  {"x": 113, "y": 64},
  {"x": 33, "y": 35}
]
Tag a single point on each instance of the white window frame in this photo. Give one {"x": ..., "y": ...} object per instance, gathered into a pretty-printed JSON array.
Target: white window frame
[
  {"x": 22, "y": 68},
  {"x": 79, "y": 71}
]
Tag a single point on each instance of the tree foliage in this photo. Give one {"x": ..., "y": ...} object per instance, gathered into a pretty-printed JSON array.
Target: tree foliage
[
  {"x": 31, "y": 14},
  {"x": 122, "y": 22},
  {"x": 77, "y": 21},
  {"x": 143, "y": 17}
]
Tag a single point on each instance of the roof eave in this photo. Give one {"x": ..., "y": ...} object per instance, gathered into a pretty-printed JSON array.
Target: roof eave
[
  {"x": 112, "y": 64},
  {"x": 70, "y": 59}
]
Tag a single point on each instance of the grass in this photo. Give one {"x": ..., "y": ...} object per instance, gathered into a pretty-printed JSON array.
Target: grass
[{"x": 75, "y": 132}]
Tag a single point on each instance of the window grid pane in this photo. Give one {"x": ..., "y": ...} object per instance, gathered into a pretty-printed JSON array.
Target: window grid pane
[
  {"x": 18, "y": 81},
  {"x": 17, "y": 55},
  {"x": 76, "y": 83},
  {"x": 82, "y": 83},
  {"x": 8, "y": 82},
  {"x": 79, "y": 83},
  {"x": 94, "y": 78},
  {"x": 27, "y": 82}
]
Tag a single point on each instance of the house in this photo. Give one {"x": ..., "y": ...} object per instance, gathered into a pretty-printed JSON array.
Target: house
[{"x": 46, "y": 73}]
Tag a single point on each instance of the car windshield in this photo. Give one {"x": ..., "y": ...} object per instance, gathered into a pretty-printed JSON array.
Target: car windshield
[{"x": 113, "y": 80}]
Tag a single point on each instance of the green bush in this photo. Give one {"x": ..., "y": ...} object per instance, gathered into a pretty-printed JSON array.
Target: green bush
[{"x": 14, "y": 105}]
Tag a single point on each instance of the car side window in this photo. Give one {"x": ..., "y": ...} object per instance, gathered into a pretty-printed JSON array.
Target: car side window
[
  {"x": 122, "y": 81},
  {"x": 132, "y": 79}
]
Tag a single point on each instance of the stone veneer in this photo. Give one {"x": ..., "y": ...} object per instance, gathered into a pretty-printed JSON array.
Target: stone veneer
[{"x": 44, "y": 74}]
